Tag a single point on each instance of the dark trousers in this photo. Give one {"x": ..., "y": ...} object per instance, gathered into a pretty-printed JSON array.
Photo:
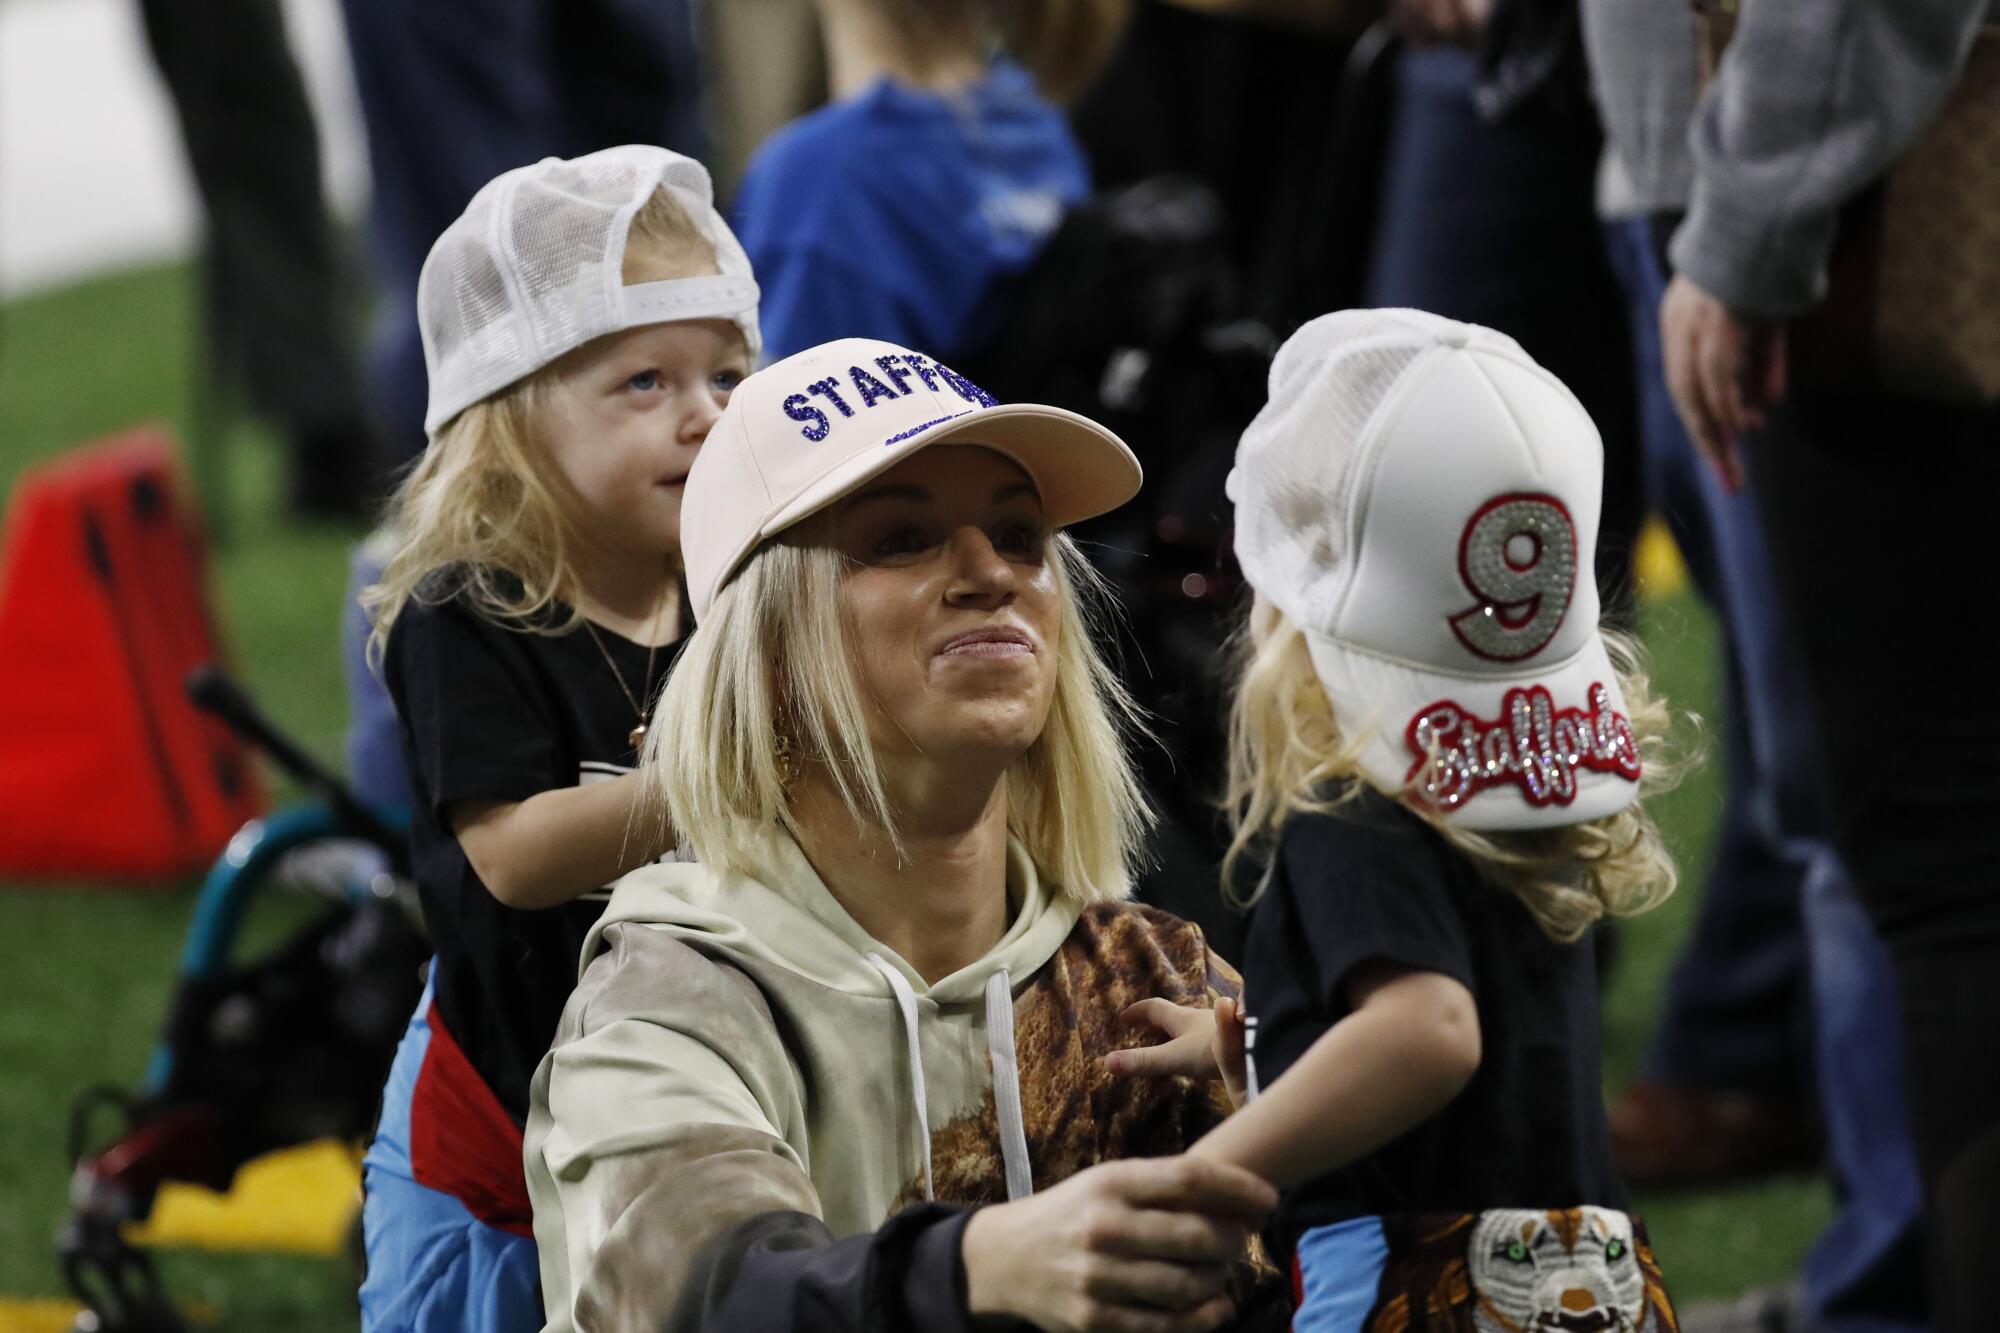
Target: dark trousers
[
  {"x": 277, "y": 304},
  {"x": 1738, "y": 1014},
  {"x": 1880, "y": 514},
  {"x": 454, "y": 92},
  {"x": 1495, "y": 223}
]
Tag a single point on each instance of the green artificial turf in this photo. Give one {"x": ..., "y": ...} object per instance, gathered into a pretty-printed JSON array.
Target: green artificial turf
[{"x": 87, "y": 970}]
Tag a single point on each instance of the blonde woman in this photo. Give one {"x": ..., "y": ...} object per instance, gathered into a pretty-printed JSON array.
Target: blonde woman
[
  {"x": 844, "y": 1069},
  {"x": 1439, "y": 755},
  {"x": 584, "y": 322}
]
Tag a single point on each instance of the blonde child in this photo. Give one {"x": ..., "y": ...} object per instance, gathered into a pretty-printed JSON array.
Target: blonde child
[
  {"x": 584, "y": 323},
  {"x": 1439, "y": 753}
]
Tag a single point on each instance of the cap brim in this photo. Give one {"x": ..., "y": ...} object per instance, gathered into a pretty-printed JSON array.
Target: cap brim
[
  {"x": 1079, "y": 468},
  {"x": 1568, "y": 764}
]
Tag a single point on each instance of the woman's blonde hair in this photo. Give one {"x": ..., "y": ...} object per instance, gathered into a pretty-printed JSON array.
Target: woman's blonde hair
[
  {"x": 486, "y": 503},
  {"x": 1288, "y": 754},
  {"x": 773, "y": 665}
]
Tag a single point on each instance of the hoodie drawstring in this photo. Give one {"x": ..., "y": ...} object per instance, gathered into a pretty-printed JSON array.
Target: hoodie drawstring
[
  {"x": 1006, "y": 1075},
  {"x": 906, "y": 1001},
  {"x": 1007, "y": 1084}
]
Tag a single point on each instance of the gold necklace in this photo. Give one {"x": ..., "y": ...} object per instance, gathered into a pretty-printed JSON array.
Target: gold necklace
[{"x": 636, "y": 738}]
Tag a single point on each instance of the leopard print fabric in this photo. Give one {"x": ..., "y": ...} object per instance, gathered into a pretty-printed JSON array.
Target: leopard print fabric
[{"x": 1076, "y": 1113}]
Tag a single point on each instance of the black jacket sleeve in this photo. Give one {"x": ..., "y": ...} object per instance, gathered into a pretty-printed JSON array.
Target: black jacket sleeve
[{"x": 784, "y": 1271}]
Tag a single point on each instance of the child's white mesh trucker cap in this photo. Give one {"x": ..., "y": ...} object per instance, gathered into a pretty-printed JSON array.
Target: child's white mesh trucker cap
[
  {"x": 805, "y": 431},
  {"x": 1422, "y": 500},
  {"x": 534, "y": 268}
]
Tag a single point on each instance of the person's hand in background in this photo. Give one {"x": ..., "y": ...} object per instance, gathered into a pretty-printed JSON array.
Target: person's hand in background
[{"x": 1724, "y": 371}]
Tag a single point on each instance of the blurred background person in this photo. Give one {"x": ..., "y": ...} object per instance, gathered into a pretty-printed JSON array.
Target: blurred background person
[
  {"x": 454, "y": 92},
  {"x": 1782, "y": 978},
  {"x": 764, "y": 67},
  {"x": 1876, "y": 502},
  {"x": 275, "y": 288},
  {"x": 909, "y": 207}
]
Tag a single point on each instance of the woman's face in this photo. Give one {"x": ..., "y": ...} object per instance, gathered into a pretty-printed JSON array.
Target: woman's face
[
  {"x": 625, "y": 417},
  {"x": 955, "y": 610}
]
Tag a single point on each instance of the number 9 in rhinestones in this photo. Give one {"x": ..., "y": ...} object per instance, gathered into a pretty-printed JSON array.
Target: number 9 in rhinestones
[{"x": 1518, "y": 556}]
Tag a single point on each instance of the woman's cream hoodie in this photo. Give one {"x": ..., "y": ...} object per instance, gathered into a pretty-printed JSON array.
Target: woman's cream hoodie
[{"x": 741, "y": 1061}]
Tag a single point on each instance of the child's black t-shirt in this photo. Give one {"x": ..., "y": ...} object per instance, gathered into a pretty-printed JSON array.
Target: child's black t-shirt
[
  {"x": 493, "y": 713},
  {"x": 1374, "y": 883}
]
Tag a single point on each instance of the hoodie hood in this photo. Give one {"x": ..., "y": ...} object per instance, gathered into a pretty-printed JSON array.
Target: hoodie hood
[{"x": 788, "y": 918}]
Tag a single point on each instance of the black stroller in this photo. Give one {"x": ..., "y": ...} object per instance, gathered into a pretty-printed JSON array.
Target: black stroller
[{"x": 286, "y": 1049}]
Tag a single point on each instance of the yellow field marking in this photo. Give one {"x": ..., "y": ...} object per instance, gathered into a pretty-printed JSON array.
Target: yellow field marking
[
  {"x": 37, "y": 1316},
  {"x": 60, "y": 1316},
  {"x": 298, "y": 1200},
  {"x": 1657, "y": 563}
]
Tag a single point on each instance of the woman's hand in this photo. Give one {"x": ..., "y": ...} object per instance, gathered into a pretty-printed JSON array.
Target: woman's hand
[
  {"x": 1201, "y": 1043},
  {"x": 1141, "y": 1246}
]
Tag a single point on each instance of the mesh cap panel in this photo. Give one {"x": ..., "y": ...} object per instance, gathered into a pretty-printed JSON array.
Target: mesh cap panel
[
  {"x": 1296, "y": 467},
  {"x": 534, "y": 268}
]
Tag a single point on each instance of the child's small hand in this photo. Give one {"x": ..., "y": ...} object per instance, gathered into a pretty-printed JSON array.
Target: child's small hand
[{"x": 1201, "y": 1043}]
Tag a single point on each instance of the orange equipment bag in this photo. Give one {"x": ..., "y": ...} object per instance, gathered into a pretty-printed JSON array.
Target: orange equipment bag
[{"x": 106, "y": 769}]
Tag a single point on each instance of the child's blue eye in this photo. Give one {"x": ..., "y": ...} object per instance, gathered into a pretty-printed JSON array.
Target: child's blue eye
[
  {"x": 728, "y": 380},
  {"x": 645, "y": 381}
]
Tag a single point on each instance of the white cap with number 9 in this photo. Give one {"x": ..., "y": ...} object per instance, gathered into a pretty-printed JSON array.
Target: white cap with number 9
[{"x": 1422, "y": 500}]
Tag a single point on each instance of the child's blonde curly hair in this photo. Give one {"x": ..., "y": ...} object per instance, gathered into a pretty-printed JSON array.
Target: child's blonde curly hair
[
  {"x": 487, "y": 501},
  {"x": 1289, "y": 754}
]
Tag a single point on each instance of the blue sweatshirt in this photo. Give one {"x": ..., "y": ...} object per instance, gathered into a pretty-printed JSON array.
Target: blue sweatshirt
[{"x": 906, "y": 215}]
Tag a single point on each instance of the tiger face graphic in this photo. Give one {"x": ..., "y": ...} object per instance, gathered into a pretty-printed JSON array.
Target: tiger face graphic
[
  {"x": 1520, "y": 1270},
  {"x": 1573, "y": 1270}
]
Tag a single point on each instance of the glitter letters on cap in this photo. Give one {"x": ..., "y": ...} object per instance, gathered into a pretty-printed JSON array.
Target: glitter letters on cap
[{"x": 805, "y": 431}]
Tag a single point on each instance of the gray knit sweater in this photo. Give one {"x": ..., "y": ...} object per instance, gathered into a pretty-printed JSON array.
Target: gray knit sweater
[
  {"x": 1642, "y": 72},
  {"x": 1814, "y": 100}
]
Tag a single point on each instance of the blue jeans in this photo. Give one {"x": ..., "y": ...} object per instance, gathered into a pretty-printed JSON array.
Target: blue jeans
[
  {"x": 1865, "y": 1275},
  {"x": 1738, "y": 1015}
]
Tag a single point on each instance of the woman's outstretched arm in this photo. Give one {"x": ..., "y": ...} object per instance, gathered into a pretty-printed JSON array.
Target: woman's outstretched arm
[{"x": 664, "y": 1155}]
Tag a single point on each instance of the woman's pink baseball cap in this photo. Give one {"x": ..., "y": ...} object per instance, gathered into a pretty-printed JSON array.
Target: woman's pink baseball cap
[{"x": 802, "y": 432}]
